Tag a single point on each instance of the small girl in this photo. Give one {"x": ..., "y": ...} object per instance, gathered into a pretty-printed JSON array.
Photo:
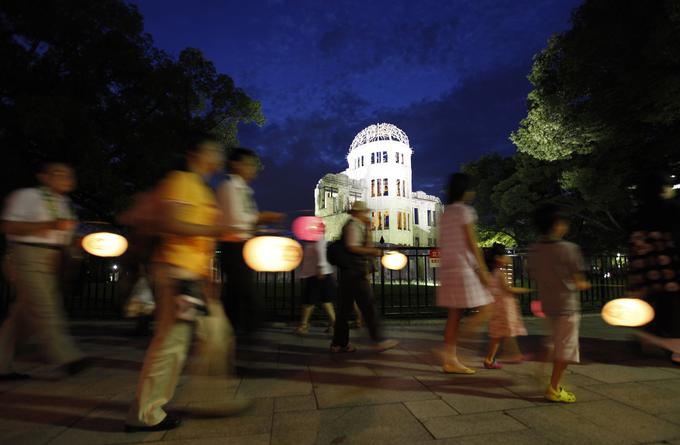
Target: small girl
[{"x": 506, "y": 321}]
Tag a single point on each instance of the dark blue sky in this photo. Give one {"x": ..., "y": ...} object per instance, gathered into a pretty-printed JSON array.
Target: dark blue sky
[{"x": 450, "y": 73}]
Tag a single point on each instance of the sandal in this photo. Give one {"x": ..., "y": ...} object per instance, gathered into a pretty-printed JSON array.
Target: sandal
[
  {"x": 454, "y": 369},
  {"x": 336, "y": 349},
  {"x": 561, "y": 395},
  {"x": 303, "y": 329},
  {"x": 492, "y": 365}
]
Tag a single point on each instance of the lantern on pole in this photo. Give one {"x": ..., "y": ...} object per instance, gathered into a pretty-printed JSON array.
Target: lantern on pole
[
  {"x": 104, "y": 244},
  {"x": 394, "y": 260},
  {"x": 630, "y": 312},
  {"x": 272, "y": 254}
]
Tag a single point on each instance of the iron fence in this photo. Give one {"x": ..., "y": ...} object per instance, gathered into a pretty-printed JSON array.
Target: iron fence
[{"x": 97, "y": 292}]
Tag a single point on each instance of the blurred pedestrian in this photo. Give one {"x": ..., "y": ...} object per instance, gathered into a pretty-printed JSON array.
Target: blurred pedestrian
[
  {"x": 354, "y": 285},
  {"x": 506, "y": 319},
  {"x": 319, "y": 284},
  {"x": 463, "y": 273},
  {"x": 39, "y": 223},
  {"x": 558, "y": 268},
  {"x": 654, "y": 261},
  {"x": 188, "y": 221},
  {"x": 235, "y": 199}
]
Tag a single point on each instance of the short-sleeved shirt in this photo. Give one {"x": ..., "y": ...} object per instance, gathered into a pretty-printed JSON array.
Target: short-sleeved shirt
[
  {"x": 39, "y": 204},
  {"x": 197, "y": 205},
  {"x": 355, "y": 233},
  {"x": 553, "y": 265},
  {"x": 314, "y": 260},
  {"x": 237, "y": 202}
]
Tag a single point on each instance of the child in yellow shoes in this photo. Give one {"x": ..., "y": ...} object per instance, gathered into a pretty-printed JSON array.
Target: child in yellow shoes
[{"x": 557, "y": 267}]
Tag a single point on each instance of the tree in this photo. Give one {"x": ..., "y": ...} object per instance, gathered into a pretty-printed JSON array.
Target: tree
[
  {"x": 81, "y": 81},
  {"x": 605, "y": 109}
]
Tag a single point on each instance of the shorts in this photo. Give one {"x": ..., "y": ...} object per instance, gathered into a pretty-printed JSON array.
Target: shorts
[
  {"x": 564, "y": 335},
  {"x": 317, "y": 291}
]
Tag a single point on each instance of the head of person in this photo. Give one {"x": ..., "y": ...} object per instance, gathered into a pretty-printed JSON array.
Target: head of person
[
  {"x": 460, "y": 189},
  {"x": 551, "y": 221},
  {"x": 360, "y": 211},
  {"x": 496, "y": 257},
  {"x": 204, "y": 154},
  {"x": 244, "y": 162},
  {"x": 57, "y": 176},
  {"x": 655, "y": 187}
]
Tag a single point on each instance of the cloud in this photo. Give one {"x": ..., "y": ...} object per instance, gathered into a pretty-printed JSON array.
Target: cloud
[{"x": 458, "y": 127}]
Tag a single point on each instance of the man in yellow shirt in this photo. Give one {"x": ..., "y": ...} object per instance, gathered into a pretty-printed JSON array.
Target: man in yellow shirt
[{"x": 189, "y": 223}]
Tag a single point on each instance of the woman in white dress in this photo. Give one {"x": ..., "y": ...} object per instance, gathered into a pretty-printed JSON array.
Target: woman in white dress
[{"x": 463, "y": 272}]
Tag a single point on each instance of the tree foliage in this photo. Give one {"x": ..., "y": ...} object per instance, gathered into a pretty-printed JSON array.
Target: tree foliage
[
  {"x": 81, "y": 81},
  {"x": 604, "y": 110}
]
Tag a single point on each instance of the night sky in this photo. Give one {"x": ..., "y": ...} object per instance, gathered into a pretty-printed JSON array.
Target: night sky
[{"x": 450, "y": 73}]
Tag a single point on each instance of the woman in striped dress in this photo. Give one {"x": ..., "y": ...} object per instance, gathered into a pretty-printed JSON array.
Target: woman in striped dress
[{"x": 463, "y": 273}]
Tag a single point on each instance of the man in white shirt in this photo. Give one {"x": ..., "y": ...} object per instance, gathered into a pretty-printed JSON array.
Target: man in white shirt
[
  {"x": 354, "y": 283},
  {"x": 39, "y": 222},
  {"x": 235, "y": 199}
]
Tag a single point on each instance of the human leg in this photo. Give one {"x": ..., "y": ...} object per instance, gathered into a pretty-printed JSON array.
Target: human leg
[
  {"x": 38, "y": 288},
  {"x": 345, "y": 304},
  {"x": 164, "y": 358}
]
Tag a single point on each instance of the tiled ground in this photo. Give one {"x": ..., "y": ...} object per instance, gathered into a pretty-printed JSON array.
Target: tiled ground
[{"x": 301, "y": 394}]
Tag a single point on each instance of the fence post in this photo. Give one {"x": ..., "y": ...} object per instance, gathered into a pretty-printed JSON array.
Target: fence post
[{"x": 382, "y": 288}]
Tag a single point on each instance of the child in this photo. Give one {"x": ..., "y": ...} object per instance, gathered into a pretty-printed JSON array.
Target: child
[
  {"x": 557, "y": 267},
  {"x": 506, "y": 321}
]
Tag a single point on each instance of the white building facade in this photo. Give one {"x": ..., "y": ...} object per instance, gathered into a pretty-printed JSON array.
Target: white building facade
[{"x": 379, "y": 173}]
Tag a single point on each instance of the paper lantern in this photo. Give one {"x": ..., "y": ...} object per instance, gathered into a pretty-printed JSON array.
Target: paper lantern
[
  {"x": 629, "y": 312},
  {"x": 105, "y": 244},
  {"x": 272, "y": 254},
  {"x": 308, "y": 228},
  {"x": 394, "y": 260},
  {"x": 537, "y": 309}
]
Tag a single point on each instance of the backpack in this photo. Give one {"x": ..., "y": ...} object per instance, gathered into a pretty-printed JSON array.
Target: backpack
[
  {"x": 335, "y": 252},
  {"x": 338, "y": 255}
]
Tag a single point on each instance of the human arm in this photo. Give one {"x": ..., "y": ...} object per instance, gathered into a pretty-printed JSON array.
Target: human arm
[
  {"x": 25, "y": 228},
  {"x": 270, "y": 217},
  {"x": 354, "y": 246},
  {"x": 471, "y": 241}
]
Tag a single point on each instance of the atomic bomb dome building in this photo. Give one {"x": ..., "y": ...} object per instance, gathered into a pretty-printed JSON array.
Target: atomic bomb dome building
[{"x": 379, "y": 173}]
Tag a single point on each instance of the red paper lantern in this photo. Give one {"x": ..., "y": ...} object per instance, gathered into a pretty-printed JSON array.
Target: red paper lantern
[{"x": 309, "y": 228}]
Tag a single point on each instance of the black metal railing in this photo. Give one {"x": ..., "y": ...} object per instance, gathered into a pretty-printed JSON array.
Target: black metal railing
[{"x": 407, "y": 293}]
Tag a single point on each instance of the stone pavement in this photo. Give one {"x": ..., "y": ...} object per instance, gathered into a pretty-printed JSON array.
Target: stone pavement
[{"x": 303, "y": 395}]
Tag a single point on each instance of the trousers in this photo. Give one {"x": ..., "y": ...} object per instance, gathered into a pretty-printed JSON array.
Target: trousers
[
  {"x": 37, "y": 310},
  {"x": 170, "y": 345},
  {"x": 354, "y": 286}
]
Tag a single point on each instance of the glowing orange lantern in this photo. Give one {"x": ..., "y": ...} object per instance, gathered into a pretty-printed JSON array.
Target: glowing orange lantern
[
  {"x": 394, "y": 260},
  {"x": 272, "y": 254},
  {"x": 308, "y": 228},
  {"x": 105, "y": 244},
  {"x": 629, "y": 312}
]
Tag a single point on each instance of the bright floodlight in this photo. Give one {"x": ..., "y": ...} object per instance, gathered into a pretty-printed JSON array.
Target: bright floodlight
[
  {"x": 272, "y": 254},
  {"x": 394, "y": 260},
  {"x": 630, "y": 312},
  {"x": 105, "y": 244}
]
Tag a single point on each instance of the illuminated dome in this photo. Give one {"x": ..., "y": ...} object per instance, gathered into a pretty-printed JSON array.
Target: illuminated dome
[{"x": 379, "y": 132}]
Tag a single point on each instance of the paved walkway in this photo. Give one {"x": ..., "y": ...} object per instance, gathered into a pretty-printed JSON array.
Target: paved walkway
[{"x": 303, "y": 395}]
